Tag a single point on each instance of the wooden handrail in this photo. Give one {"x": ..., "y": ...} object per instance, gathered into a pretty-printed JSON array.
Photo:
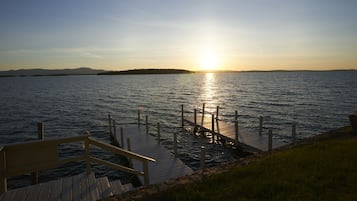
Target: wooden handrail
[
  {"x": 50, "y": 156},
  {"x": 120, "y": 151}
]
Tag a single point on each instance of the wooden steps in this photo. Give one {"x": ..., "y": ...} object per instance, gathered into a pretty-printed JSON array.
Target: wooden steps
[{"x": 77, "y": 188}]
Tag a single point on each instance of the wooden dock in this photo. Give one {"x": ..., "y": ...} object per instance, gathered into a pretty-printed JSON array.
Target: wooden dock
[
  {"x": 232, "y": 133},
  {"x": 166, "y": 167},
  {"x": 80, "y": 187}
]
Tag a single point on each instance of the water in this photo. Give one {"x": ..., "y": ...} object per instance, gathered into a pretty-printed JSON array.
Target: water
[{"x": 317, "y": 101}]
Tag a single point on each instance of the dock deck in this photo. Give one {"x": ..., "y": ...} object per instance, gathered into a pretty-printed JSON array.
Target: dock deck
[
  {"x": 166, "y": 167},
  {"x": 227, "y": 132}
]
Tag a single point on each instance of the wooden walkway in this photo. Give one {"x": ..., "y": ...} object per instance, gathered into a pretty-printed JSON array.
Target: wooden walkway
[
  {"x": 166, "y": 167},
  {"x": 227, "y": 132},
  {"x": 77, "y": 188}
]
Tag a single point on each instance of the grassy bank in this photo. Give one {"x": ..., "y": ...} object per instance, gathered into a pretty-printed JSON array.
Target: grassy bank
[{"x": 319, "y": 170}]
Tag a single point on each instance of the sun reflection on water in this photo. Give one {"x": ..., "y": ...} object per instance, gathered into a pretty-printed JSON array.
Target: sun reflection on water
[{"x": 209, "y": 92}]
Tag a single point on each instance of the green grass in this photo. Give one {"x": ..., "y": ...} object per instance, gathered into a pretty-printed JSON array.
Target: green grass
[{"x": 325, "y": 170}]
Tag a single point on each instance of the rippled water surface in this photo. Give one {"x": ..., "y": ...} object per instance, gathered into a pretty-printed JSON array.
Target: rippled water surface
[{"x": 317, "y": 101}]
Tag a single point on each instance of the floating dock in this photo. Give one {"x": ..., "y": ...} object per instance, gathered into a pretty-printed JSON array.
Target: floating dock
[{"x": 231, "y": 133}]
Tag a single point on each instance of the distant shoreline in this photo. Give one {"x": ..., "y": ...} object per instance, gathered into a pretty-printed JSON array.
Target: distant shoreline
[{"x": 89, "y": 71}]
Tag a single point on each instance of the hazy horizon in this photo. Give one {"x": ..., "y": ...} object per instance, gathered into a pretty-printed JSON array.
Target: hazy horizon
[{"x": 223, "y": 35}]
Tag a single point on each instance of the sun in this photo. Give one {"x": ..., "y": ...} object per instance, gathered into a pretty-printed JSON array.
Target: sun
[{"x": 209, "y": 61}]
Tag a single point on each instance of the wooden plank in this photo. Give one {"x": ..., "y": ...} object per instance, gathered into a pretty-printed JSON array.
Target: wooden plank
[
  {"x": 92, "y": 187},
  {"x": 56, "y": 190},
  {"x": 84, "y": 187},
  {"x": 166, "y": 165},
  {"x": 21, "y": 194},
  {"x": 116, "y": 187},
  {"x": 104, "y": 188},
  {"x": 8, "y": 196},
  {"x": 33, "y": 193},
  {"x": 67, "y": 186},
  {"x": 76, "y": 191}
]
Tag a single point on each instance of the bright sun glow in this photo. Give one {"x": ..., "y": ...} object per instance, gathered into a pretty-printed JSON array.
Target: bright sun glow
[{"x": 209, "y": 61}]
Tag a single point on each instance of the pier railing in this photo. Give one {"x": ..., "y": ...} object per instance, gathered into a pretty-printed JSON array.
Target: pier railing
[{"x": 19, "y": 159}]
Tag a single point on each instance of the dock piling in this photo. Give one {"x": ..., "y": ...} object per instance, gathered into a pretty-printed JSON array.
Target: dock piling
[
  {"x": 110, "y": 124},
  {"x": 203, "y": 156},
  {"x": 41, "y": 136},
  {"x": 260, "y": 125},
  {"x": 146, "y": 124},
  {"x": 212, "y": 127},
  {"x": 203, "y": 114},
  {"x": 182, "y": 119},
  {"x": 293, "y": 132},
  {"x": 270, "y": 141},
  {"x": 139, "y": 118},
  {"x": 217, "y": 112},
  {"x": 236, "y": 127},
  {"x": 122, "y": 137},
  {"x": 175, "y": 144},
  {"x": 195, "y": 116},
  {"x": 129, "y": 149},
  {"x": 114, "y": 132},
  {"x": 158, "y": 132}
]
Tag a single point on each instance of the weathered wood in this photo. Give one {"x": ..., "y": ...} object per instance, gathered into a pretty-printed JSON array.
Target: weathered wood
[
  {"x": 67, "y": 186},
  {"x": 182, "y": 117},
  {"x": 138, "y": 118},
  {"x": 195, "y": 116},
  {"x": 175, "y": 144},
  {"x": 270, "y": 142},
  {"x": 146, "y": 124},
  {"x": 203, "y": 156},
  {"x": 110, "y": 125},
  {"x": 121, "y": 138},
  {"x": 212, "y": 127},
  {"x": 260, "y": 125},
  {"x": 116, "y": 187},
  {"x": 203, "y": 114},
  {"x": 104, "y": 188},
  {"x": 55, "y": 190},
  {"x": 293, "y": 132},
  {"x": 158, "y": 133}
]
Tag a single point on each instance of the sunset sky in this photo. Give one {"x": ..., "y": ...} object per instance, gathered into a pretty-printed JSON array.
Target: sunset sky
[{"x": 193, "y": 35}]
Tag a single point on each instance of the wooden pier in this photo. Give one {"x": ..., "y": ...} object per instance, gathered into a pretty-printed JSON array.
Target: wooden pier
[
  {"x": 137, "y": 139},
  {"x": 231, "y": 133}
]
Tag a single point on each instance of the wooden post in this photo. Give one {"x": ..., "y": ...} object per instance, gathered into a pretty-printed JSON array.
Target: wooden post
[
  {"x": 3, "y": 178},
  {"x": 293, "y": 132},
  {"x": 270, "y": 140},
  {"x": 212, "y": 127},
  {"x": 86, "y": 151},
  {"x": 182, "y": 123},
  {"x": 158, "y": 132},
  {"x": 122, "y": 137},
  {"x": 110, "y": 124},
  {"x": 129, "y": 149},
  {"x": 260, "y": 125},
  {"x": 139, "y": 118},
  {"x": 41, "y": 136},
  {"x": 146, "y": 173},
  {"x": 146, "y": 124},
  {"x": 236, "y": 127},
  {"x": 217, "y": 112},
  {"x": 175, "y": 144},
  {"x": 195, "y": 116},
  {"x": 41, "y": 131},
  {"x": 203, "y": 114},
  {"x": 114, "y": 130},
  {"x": 203, "y": 156}
]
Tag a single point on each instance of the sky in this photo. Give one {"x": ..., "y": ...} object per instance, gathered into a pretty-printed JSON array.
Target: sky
[{"x": 192, "y": 35}]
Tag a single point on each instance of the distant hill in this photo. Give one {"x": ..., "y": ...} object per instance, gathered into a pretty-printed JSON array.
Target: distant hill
[
  {"x": 47, "y": 72},
  {"x": 146, "y": 71}
]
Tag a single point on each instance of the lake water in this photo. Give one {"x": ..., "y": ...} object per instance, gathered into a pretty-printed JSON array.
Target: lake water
[{"x": 316, "y": 101}]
